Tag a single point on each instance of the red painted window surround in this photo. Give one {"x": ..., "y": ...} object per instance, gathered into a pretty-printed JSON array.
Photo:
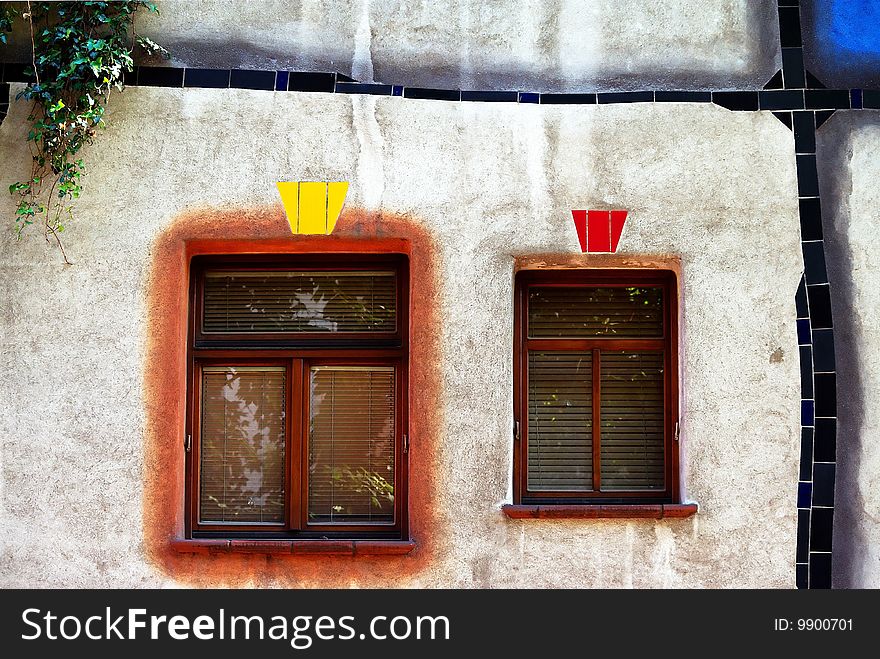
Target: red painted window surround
[{"x": 628, "y": 511}]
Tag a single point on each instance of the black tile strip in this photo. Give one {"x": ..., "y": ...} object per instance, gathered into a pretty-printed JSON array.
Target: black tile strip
[
  {"x": 802, "y": 553},
  {"x": 130, "y": 77},
  {"x": 813, "y": 82},
  {"x": 793, "y": 68},
  {"x": 625, "y": 97},
  {"x": 820, "y": 571},
  {"x": 820, "y": 529},
  {"x": 341, "y": 77},
  {"x": 363, "y": 88},
  {"x": 490, "y": 96},
  {"x": 806, "y": 365},
  {"x": 211, "y": 78},
  {"x": 825, "y": 441},
  {"x": 823, "y": 484},
  {"x": 682, "y": 97},
  {"x": 789, "y": 27},
  {"x": 826, "y": 99},
  {"x": 800, "y": 301},
  {"x": 822, "y": 116},
  {"x": 819, "y": 298},
  {"x": 252, "y": 79},
  {"x": 781, "y": 99},
  {"x": 806, "y": 464},
  {"x": 826, "y": 395},
  {"x": 784, "y": 117},
  {"x": 565, "y": 99},
  {"x": 811, "y": 218},
  {"x": 160, "y": 76},
  {"x": 871, "y": 98},
  {"x": 311, "y": 82},
  {"x": 432, "y": 94},
  {"x": 775, "y": 82},
  {"x": 823, "y": 353},
  {"x": 808, "y": 177},
  {"x": 18, "y": 72},
  {"x": 814, "y": 263},
  {"x": 804, "y": 132},
  {"x": 736, "y": 100},
  {"x": 802, "y": 578}
]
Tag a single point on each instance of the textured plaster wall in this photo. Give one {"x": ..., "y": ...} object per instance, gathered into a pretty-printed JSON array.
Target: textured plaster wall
[
  {"x": 491, "y": 183},
  {"x": 538, "y": 45},
  {"x": 847, "y": 146}
]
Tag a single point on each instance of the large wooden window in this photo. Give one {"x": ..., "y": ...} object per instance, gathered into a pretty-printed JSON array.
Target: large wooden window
[
  {"x": 595, "y": 387},
  {"x": 297, "y": 397}
]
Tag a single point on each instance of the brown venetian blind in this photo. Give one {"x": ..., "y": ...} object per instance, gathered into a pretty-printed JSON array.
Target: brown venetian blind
[
  {"x": 242, "y": 445},
  {"x": 351, "y": 445},
  {"x": 560, "y": 432},
  {"x": 620, "y": 312},
  {"x": 349, "y": 301},
  {"x": 631, "y": 450}
]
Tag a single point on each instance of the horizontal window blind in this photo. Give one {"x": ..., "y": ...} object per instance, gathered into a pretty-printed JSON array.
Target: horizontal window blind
[
  {"x": 348, "y": 301},
  {"x": 560, "y": 430},
  {"x": 351, "y": 445},
  {"x": 242, "y": 445},
  {"x": 571, "y": 312},
  {"x": 631, "y": 450}
]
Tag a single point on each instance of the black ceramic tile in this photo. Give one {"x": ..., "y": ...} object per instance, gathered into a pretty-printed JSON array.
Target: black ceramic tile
[
  {"x": 213, "y": 78},
  {"x": 813, "y": 82},
  {"x": 811, "y": 219},
  {"x": 814, "y": 262},
  {"x": 17, "y": 72},
  {"x": 560, "y": 99},
  {"x": 130, "y": 77},
  {"x": 825, "y": 441},
  {"x": 806, "y": 413},
  {"x": 808, "y": 178},
  {"x": 160, "y": 76},
  {"x": 281, "y": 79},
  {"x": 822, "y": 116},
  {"x": 804, "y": 132},
  {"x": 249, "y": 79},
  {"x": 871, "y": 98},
  {"x": 341, "y": 77},
  {"x": 490, "y": 96},
  {"x": 784, "y": 117},
  {"x": 529, "y": 97},
  {"x": 626, "y": 97},
  {"x": 775, "y": 82},
  {"x": 397, "y": 90},
  {"x": 819, "y": 298},
  {"x": 806, "y": 463},
  {"x": 311, "y": 82},
  {"x": 855, "y": 99},
  {"x": 800, "y": 301},
  {"x": 781, "y": 99},
  {"x": 820, "y": 570},
  {"x": 802, "y": 575},
  {"x": 793, "y": 68},
  {"x": 806, "y": 365},
  {"x": 802, "y": 553},
  {"x": 363, "y": 88},
  {"x": 789, "y": 3},
  {"x": 804, "y": 497},
  {"x": 789, "y": 27},
  {"x": 682, "y": 97},
  {"x": 820, "y": 529},
  {"x": 803, "y": 332},
  {"x": 823, "y": 484},
  {"x": 825, "y": 394},
  {"x": 823, "y": 351},
  {"x": 432, "y": 94},
  {"x": 826, "y": 99},
  {"x": 736, "y": 100}
]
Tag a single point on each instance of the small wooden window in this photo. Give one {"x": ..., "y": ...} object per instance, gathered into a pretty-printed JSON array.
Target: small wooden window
[
  {"x": 297, "y": 397},
  {"x": 595, "y": 387}
]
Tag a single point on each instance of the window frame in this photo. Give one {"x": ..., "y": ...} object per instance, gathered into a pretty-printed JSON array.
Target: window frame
[
  {"x": 297, "y": 352},
  {"x": 668, "y": 343}
]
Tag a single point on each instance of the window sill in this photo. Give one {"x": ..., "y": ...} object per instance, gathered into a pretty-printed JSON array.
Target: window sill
[
  {"x": 296, "y": 547},
  {"x": 628, "y": 511}
]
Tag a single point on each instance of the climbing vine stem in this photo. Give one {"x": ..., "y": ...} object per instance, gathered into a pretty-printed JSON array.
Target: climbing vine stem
[{"x": 80, "y": 51}]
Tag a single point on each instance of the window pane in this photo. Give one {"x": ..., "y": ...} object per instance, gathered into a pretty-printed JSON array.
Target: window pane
[
  {"x": 242, "y": 445},
  {"x": 573, "y": 311},
  {"x": 246, "y": 302},
  {"x": 560, "y": 437},
  {"x": 351, "y": 445},
  {"x": 632, "y": 420}
]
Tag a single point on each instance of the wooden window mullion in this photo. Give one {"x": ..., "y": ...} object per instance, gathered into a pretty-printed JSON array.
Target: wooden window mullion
[{"x": 597, "y": 420}]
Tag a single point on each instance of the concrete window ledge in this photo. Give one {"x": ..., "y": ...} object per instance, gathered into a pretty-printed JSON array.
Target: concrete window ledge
[
  {"x": 626, "y": 511},
  {"x": 296, "y": 547}
]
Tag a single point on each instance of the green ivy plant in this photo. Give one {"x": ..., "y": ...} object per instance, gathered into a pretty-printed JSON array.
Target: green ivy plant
[{"x": 80, "y": 52}]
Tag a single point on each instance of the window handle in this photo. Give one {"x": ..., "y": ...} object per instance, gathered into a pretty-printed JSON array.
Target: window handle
[
  {"x": 516, "y": 431},
  {"x": 677, "y": 433},
  {"x": 187, "y": 444},
  {"x": 406, "y": 443}
]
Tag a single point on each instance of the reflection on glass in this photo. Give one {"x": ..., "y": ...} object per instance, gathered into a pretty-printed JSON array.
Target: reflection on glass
[
  {"x": 242, "y": 445},
  {"x": 575, "y": 311},
  {"x": 351, "y": 445}
]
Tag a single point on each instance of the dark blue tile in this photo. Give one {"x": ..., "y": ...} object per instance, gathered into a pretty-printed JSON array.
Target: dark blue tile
[
  {"x": 825, "y": 394},
  {"x": 855, "y": 99},
  {"x": 363, "y": 88},
  {"x": 803, "y": 332},
  {"x": 804, "y": 132},
  {"x": 432, "y": 94},
  {"x": 871, "y": 98},
  {"x": 793, "y": 68},
  {"x": 823, "y": 351},
  {"x": 682, "y": 97},
  {"x": 529, "y": 97},
  {"x": 819, "y": 298},
  {"x": 806, "y": 463},
  {"x": 626, "y": 97},
  {"x": 825, "y": 441},
  {"x": 823, "y": 484},
  {"x": 397, "y": 90},
  {"x": 821, "y": 520},
  {"x": 311, "y": 82},
  {"x": 806, "y": 365},
  {"x": 252, "y": 79},
  {"x": 826, "y": 99},
  {"x": 568, "y": 99},
  {"x": 820, "y": 571},
  {"x": 800, "y": 301},
  {"x": 807, "y": 176},
  {"x": 210, "y": 78},
  {"x": 789, "y": 27},
  {"x": 281, "y": 78},
  {"x": 160, "y": 76},
  {"x": 811, "y": 219},
  {"x": 490, "y": 96},
  {"x": 804, "y": 496},
  {"x": 806, "y": 413},
  {"x": 802, "y": 575},
  {"x": 781, "y": 99},
  {"x": 802, "y": 552},
  {"x": 814, "y": 262}
]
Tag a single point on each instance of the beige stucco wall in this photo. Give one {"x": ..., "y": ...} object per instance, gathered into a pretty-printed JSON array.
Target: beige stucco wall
[{"x": 491, "y": 182}]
